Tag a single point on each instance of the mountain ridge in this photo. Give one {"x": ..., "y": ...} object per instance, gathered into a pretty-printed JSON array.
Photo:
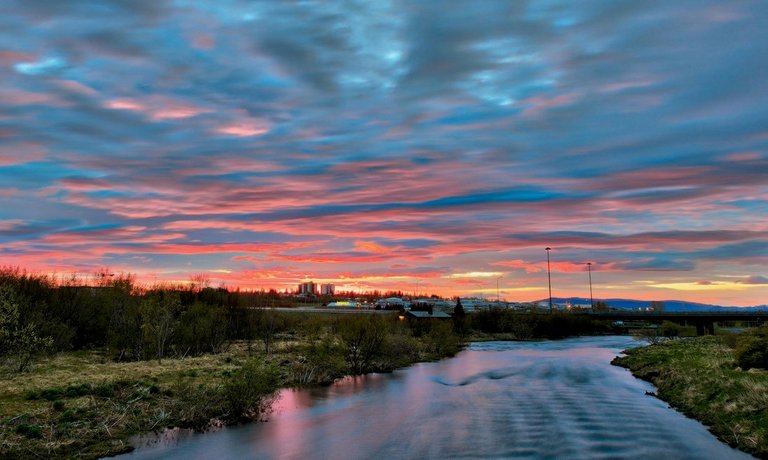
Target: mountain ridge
[{"x": 669, "y": 305}]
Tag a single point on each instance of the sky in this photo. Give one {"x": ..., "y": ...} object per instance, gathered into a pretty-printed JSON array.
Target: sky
[{"x": 428, "y": 147}]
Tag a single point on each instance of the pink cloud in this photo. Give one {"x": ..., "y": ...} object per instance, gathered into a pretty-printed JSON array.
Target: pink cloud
[
  {"x": 535, "y": 106},
  {"x": 157, "y": 108},
  {"x": 744, "y": 156},
  {"x": 520, "y": 264},
  {"x": 77, "y": 87},
  {"x": 243, "y": 128},
  {"x": 21, "y": 153}
]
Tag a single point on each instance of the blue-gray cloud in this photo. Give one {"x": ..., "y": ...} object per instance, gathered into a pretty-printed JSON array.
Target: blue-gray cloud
[{"x": 597, "y": 123}]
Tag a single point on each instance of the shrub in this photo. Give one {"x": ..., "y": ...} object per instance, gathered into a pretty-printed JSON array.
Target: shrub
[
  {"x": 30, "y": 431},
  {"x": 74, "y": 391},
  {"x": 401, "y": 349},
  {"x": 247, "y": 394},
  {"x": 752, "y": 349},
  {"x": 442, "y": 339},
  {"x": 51, "y": 394},
  {"x": 68, "y": 416},
  {"x": 20, "y": 340},
  {"x": 105, "y": 390},
  {"x": 321, "y": 363}
]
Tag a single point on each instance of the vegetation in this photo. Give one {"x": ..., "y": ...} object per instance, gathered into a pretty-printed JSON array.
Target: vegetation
[
  {"x": 19, "y": 342},
  {"x": 83, "y": 368},
  {"x": 752, "y": 349},
  {"x": 86, "y": 403},
  {"x": 126, "y": 360},
  {"x": 705, "y": 378},
  {"x": 654, "y": 334},
  {"x": 514, "y": 325}
]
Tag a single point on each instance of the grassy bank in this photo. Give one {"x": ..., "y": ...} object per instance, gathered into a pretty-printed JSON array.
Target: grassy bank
[
  {"x": 699, "y": 377},
  {"x": 84, "y": 404}
]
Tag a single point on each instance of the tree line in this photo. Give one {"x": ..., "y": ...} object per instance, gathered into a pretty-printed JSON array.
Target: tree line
[{"x": 39, "y": 314}]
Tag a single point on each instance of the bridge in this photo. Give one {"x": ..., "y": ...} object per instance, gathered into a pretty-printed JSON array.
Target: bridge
[{"x": 703, "y": 320}]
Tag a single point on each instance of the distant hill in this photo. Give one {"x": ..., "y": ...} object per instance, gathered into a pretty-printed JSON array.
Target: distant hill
[{"x": 669, "y": 305}]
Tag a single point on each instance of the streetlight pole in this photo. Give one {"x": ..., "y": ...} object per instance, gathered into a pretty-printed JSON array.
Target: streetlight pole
[
  {"x": 498, "y": 299},
  {"x": 591, "y": 300},
  {"x": 549, "y": 279}
]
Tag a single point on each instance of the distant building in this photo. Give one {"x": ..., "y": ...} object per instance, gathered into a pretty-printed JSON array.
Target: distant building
[
  {"x": 392, "y": 303},
  {"x": 327, "y": 289},
  {"x": 308, "y": 288},
  {"x": 427, "y": 315}
]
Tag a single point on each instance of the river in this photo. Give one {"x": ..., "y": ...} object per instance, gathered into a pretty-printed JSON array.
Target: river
[{"x": 553, "y": 399}]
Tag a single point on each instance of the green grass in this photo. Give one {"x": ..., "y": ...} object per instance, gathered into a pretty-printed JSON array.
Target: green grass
[{"x": 699, "y": 377}]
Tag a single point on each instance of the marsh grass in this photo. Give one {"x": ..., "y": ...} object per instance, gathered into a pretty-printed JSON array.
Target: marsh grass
[
  {"x": 82, "y": 404},
  {"x": 79, "y": 404},
  {"x": 699, "y": 377}
]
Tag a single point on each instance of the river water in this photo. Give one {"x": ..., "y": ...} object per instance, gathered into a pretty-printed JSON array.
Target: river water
[{"x": 554, "y": 399}]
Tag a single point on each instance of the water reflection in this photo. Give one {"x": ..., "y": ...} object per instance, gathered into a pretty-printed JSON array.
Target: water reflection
[{"x": 498, "y": 399}]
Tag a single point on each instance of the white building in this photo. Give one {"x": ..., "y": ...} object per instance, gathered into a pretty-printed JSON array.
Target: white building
[{"x": 327, "y": 289}]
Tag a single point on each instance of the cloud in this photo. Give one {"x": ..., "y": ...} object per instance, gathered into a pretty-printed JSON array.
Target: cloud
[
  {"x": 43, "y": 66},
  {"x": 756, "y": 280},
  {"x": 285, "y": 140}
]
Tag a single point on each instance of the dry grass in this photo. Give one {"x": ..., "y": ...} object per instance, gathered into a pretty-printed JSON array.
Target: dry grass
[{"x": 139, "y": 397}]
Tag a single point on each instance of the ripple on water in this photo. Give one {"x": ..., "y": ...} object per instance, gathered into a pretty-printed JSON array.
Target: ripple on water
[{"x": 497, "y": 400}]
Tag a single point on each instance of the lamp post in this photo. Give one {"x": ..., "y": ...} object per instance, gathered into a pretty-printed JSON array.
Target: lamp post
[
  {"x": 549, "y": 279},
  {"x": 591, "y": 300},
  {"x": 498, "y": 299}
]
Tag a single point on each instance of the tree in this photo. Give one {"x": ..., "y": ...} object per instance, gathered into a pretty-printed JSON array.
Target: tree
[
  {"x": 199, "y": 281},
  {"x": 201, "y": 329},
  {"x": 19, "y": 342},
  {"x": 657, "y": 305},
  {"x": 459, "y": 317},
  {"x": 158, "y": 311},
  {"x": 363, "y": 336}
]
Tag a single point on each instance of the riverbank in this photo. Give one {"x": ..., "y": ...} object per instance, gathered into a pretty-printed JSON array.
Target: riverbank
[
  {"x": 699, "y": 377},
  {"x": 82, "y": 404}
]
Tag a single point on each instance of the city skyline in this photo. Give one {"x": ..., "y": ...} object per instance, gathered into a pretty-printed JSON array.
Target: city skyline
[{"x": 386, "y": 145}]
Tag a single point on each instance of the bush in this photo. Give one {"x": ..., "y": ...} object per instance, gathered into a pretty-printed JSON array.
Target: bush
[
  {"x": 51, "y": 394},
  {"x": 401, "y": 350},
  {"x": 752, "y": 349},
  {"x": 30, "y": 431},
  {"x": 74, "y": 391},
  {"x": 105, "y": 390},
  {"x": 68, "y": 416},
  {"x": 20, "y": 340},
  {"x": 248, "y": 393},
  {"x": 442, "y": 339},
  {"x": 321, "y": 363}
]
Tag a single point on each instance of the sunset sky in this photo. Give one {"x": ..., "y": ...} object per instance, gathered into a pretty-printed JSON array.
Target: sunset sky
[{"x": 424, "y": 146}]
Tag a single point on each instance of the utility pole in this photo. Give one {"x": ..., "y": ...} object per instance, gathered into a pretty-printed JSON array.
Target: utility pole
[{"x": 549, "y": 279}]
